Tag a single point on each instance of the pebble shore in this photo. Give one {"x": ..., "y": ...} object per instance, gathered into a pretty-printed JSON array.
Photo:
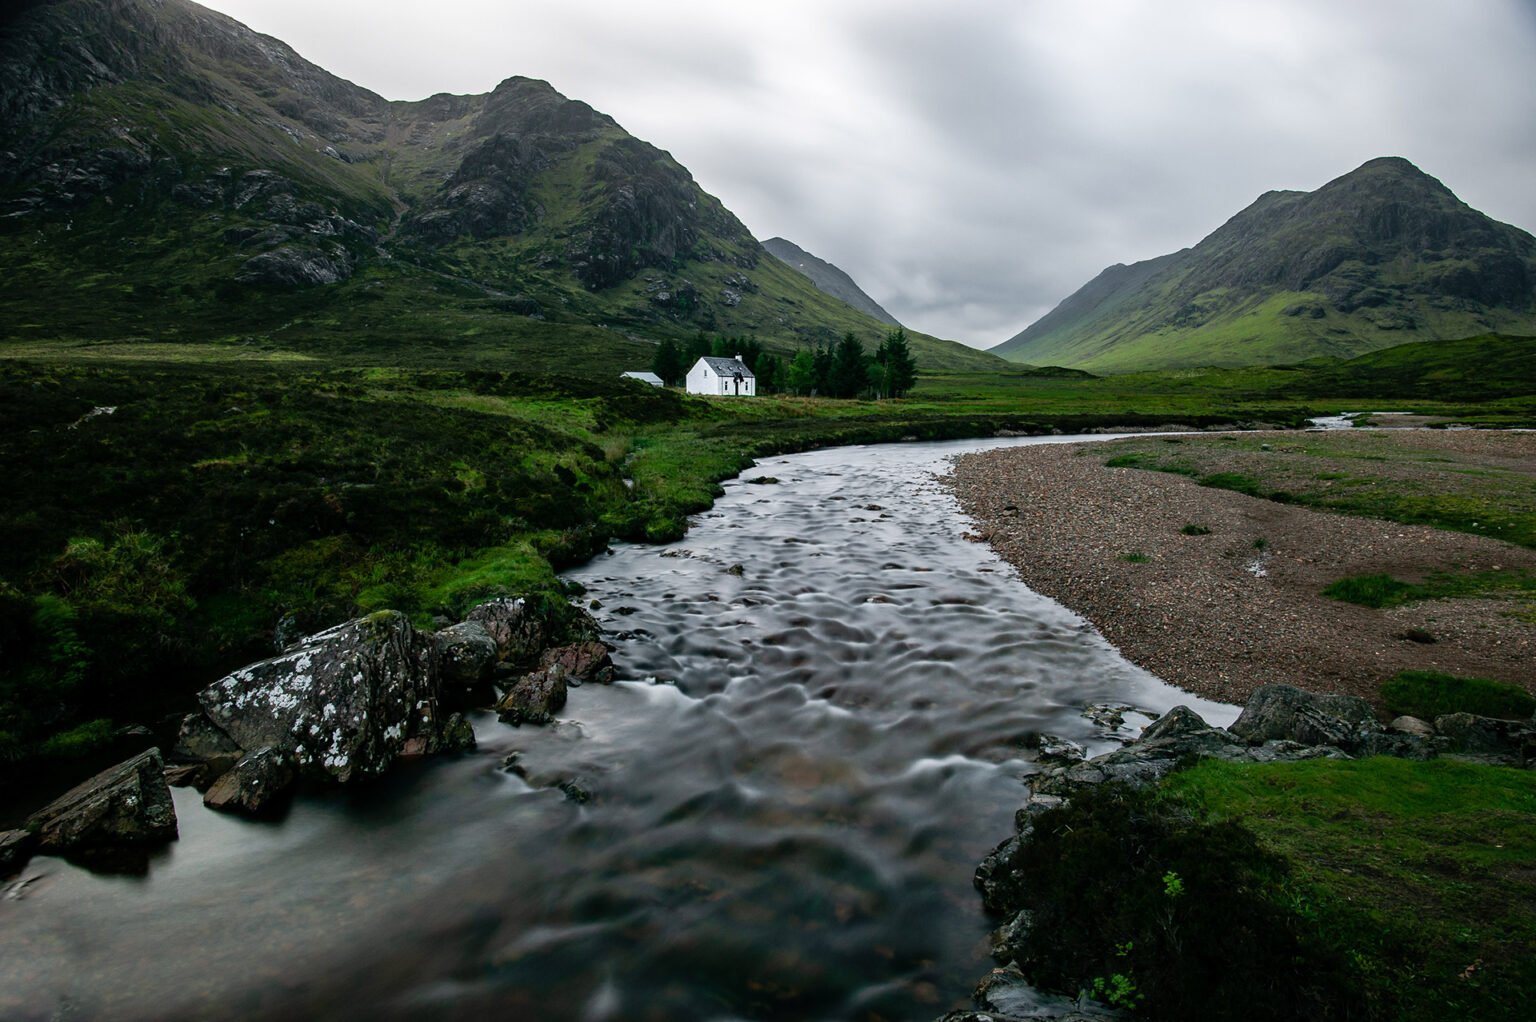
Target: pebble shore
[{"x": 1223, "y": 613}]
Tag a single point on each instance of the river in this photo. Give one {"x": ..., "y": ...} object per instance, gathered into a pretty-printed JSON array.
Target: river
[{"x": 828, "y": 697}]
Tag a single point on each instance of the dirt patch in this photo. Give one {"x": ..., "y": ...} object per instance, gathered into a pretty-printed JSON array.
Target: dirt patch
[{"x": 1222, "y": 613}]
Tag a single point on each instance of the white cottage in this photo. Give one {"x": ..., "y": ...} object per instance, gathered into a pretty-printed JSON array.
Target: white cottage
[{"x": 722, "y": 376}]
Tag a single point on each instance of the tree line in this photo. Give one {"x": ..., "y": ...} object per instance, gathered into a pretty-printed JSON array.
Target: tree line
[{"x": 841, "y": 370}]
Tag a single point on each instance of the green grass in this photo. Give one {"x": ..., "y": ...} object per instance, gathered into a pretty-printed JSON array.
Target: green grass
[
  {"x": 1383, "y": 591},
  {"x": 1418, "y": 872},
  {"x": 1367, "y": 473},
  {"x": 1429, "y": 694},
  {"x": 1376, "y": 591}
]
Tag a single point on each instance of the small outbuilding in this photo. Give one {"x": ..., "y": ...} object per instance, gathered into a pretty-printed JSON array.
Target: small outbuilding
[
  {"x": 722, "y": 376},
  {"x": 650, "y": 378}
]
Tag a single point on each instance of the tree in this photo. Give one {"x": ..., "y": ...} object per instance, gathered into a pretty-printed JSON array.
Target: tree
[
  {"x": 800, "y": 376},
  {"x": 823, "y": 360},
  {"x": 898, "y": 369},
  {"x": 850, "y": 368},
  {"x": 770, "y": 373},
  {"x": 668, "y": 363}
]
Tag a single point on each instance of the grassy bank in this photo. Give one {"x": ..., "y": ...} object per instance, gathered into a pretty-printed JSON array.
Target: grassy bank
[
  {"x": 1378, "y": 889},
  {"x": 1417, "y": 874}
]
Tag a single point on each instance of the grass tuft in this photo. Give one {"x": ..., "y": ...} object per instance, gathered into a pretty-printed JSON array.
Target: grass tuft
[{"x": 1429, "y": 694}]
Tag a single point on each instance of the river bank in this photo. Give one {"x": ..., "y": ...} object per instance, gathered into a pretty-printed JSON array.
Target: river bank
[{"x": 1223, "y": 611}]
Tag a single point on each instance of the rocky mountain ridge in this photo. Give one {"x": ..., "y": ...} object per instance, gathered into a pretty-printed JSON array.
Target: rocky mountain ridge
[
  {"x": 168, "y": 153},
  {"x": 1382, "y": 256}
]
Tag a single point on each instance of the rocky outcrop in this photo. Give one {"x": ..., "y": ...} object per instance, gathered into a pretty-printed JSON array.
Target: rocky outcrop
[
  {"x": 127, "y": 807},
  {"x": 297, "y": 266},
  {"x": 258, "y": 785},
  {"x": 344, "y": 703}
]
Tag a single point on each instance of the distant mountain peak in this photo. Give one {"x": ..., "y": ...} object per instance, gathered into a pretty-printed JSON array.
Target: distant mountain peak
[
  {"x": 1383, "y": 255},
  {"x": 827, "y": 277}
]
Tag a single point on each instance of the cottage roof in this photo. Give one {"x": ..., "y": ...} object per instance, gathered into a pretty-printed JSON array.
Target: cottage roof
[
  {"x": 650, "y": 378},
  {"x": 727, "y": 366}
]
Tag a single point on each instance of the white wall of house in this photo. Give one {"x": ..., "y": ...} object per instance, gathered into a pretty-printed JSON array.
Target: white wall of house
[{"x": 703, "y": 379}]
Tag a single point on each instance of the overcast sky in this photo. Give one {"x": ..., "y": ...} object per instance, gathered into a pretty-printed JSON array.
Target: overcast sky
[{"x": 972, "y": 162}]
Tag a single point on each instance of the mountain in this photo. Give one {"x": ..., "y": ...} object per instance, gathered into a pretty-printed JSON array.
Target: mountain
[
  {"x": 1385, "y": 255},
  {"x": 169, "y": 175},
  {"x": 827, "y": 277}
]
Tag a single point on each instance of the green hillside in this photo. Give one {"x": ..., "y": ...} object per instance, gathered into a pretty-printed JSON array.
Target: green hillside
[{"x": 1383, "y": 256}]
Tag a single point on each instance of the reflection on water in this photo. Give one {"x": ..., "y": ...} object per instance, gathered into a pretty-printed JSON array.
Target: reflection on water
[{"x": 775, "y": 815}]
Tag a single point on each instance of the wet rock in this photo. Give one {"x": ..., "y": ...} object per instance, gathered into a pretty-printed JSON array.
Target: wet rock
[
  {"x": 999, "y": 876},
  {"x": 456, "y": 734},
  {"x": 582, "y": 662},
  {"x": 1054, "y": 748},
  {"x": 259, "y": 785},
  {"x": 343, "y": 703},
  {"x": 534, "y": 698},
  {"x": 1008, "y": 939},
  {"x": 15, "y": 849},
  {"x": 1284, "y": 711},
  {"x": 518, "y": 632},
  {"x": 202, "y": 754},
  {"x": 1488, "y": 739},
  {"x": 466, "y": 653},
  {"x": 128, "y": 805}
]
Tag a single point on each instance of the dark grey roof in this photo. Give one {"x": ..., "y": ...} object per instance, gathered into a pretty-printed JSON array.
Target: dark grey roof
[{"x": 728, "y": 367}]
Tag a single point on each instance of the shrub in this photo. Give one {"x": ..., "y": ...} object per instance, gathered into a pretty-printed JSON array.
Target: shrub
[
  {"x": 1428, "y": 694},
  {"x": 1195, "y": 530},
  {"x": 1136, "y": 557}
]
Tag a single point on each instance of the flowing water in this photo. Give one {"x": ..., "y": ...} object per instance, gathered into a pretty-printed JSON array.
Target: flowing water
[{"x": 828, "y": 699}]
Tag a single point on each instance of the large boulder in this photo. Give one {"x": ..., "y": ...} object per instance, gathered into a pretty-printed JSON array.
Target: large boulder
[
  {"x": 126, "y": 806},
  {"x": 259, "y": 785},
  {"x": 343, "y": 703},
  {"x": 1288, "y": 713}
]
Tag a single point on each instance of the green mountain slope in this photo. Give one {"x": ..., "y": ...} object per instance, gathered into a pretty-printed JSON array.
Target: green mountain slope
[
  {"x": 168, "y": 174},
  {"x": 1383, "y": 256},
  {"x": 827, "y": 277}
]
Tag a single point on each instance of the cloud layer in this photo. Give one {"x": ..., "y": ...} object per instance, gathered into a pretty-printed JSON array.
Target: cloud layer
[{"x": 971, "y": 163}]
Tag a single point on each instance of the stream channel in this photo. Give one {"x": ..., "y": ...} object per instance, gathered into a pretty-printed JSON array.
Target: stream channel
[{"x": 774, "y": 814}]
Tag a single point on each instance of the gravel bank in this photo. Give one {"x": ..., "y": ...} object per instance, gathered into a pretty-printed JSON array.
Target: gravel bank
[{"x": 1221, "y": 614}]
